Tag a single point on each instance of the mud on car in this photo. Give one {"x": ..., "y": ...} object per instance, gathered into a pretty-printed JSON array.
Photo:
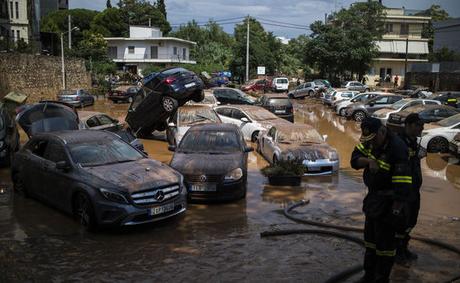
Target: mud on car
[{"x": 163, "y": 93}]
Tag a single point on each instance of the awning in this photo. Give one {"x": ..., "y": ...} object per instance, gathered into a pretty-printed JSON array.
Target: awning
[{"x": 399, "y": 47}]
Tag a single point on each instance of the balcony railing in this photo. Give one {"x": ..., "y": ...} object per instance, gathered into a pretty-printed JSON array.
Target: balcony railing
[{"x": 415, "y": 35}]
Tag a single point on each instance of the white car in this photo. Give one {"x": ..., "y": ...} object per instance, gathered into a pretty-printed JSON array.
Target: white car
[
  {"x": 363, "y": 97},
  {"x": 384, "y": 114},
  {"x": 341, "y": 95},
  {"x": 187, "y": 116},
  {"x": 280, "y": 84},
  {"x": 208, "y": 100},
  {"x": 437, "y": 136},
  {"x": 252, "y": 120}
]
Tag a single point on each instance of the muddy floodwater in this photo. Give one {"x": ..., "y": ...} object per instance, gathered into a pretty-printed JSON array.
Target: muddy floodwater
[{"x": 221, "y": 242}]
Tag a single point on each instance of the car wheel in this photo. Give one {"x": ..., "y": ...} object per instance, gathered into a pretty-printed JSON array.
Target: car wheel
[
  {"x": 130, "y": 99},
  {"x": 255, "y": 136},
  {"x": 84, "y": 211},
  {"x": 366, "y": 90},
  {"x": 359, "y": 116},
  {"x": 310, "y": 93},
  {"x": 169, "y": 104},
  {"x": 342, "y": 112},
  {"x": 18, "y": 185},
  {"x": 275, "y": 160},
  {"x": 438, "y": 144}
]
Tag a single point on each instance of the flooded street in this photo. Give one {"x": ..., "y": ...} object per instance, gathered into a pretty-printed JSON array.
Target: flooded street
[{"x": 221, "y": 242}]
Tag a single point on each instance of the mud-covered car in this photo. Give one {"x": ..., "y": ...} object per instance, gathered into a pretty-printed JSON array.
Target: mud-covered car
[
  {"x": 163, "y": 93},
  {"x": 208, "y": 100},
  {"x": 187, "y": 116},
  {"x": 76, "y": 97},
  {"x": 299, "y": 142},
  {"x": 124, "y": 93},
  {"x": 358, "y": 111},
  {"x": 454, "y": 146},
  {"x": 277, "y": 103},
  {"x": 213, "y": 159},
  {"x": 98, "y": 178}
]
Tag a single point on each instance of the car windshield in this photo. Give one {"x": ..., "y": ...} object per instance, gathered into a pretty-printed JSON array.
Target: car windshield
[
  {"x": 399, "y": 104},
  {"x": 282, "y": 81},
  {"x": 103, "y": 152},
  {"x": 132, "y": 90},
  {"x": 210, "y": 142},
  {"x": 358, "y": 98},
  {"x": 303, "y": 136},
  {"x": 452, "y": 120},
  {"x": 198, "y": 115},
  {"x": 261, "y": 115}
]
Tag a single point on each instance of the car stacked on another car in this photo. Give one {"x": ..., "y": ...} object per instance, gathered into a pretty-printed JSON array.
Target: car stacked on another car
[
  {"x": 163, "y": 93},
  {"x": 358, "y": 111},
  {"x": 208, "y": 100},
  {"x": 213, "y": 159},
  {"x": 226, "y": 95},
  {"x": 76, "y": 98},
  {"x": 124, "y": 93},
  {"x": 278, "y": 104},
  {"x": 384, "y": 114},
  {"x": 187, "y": 116},
  {"x": 252, "y": 120},
  {"x": 437, "y": 136},
  {"x": 299, "y": 142}
]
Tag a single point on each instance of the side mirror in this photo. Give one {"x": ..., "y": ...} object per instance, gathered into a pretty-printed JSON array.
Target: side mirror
[
  {"x": 248, "y": 149},
  {"x": 172, "y": 148},
  {"x": 245, "y": 120},
  {"x": 371, "y": 104},
  {"x": 62, "y": 165},
  {"x": 325, "y": 137},
  {"x": 171, "y": 124}
]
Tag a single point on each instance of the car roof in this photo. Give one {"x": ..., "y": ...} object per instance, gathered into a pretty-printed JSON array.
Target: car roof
[
  {"x": 419, "y": 108},
  {"x": 243, "y": 107},
  {"x": 78, "y": 136},
  {"x": 214, "y": 127}
]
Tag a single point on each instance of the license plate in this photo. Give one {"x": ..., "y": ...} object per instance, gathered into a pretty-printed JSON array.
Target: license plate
[
  {"x": 280, "y": 111},
  {"x": 203, "y": 188},
  {"x": 162, "y": 209},
  {"x": 189, "y": 85}
]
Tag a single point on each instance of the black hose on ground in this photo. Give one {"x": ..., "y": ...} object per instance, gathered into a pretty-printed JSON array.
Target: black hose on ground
[{"x": 355, "y": 269}]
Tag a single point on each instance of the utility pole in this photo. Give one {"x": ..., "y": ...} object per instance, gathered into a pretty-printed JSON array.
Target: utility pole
[
  {"x": 70, "y": 31},
  {"x": 150, "y": 22},
  {"x": 247, "y": 50},
  {"x": 62, "y": 61},
  {"x": 405, "y": 61}
]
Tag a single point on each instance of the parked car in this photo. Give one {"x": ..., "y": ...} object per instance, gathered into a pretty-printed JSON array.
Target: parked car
[
  {"x": 436, "y": 137},
  {"x": 330, "y": 98},
  {"x": 9, "y": 137},
  {"x": 342, "y": 96},
  {"x": 163, "y": 94},
  {"x": 355, "y": 85},
  {"x": 384, "y": 114},
  {"x": 256, "y": 85},
  {"x": 226, "y": 95},
  {"x": 280, "y": 84},
  {"x": 428, "y": 114},
  {"x": 252, "y": 120},
  {"x": 213, "y": 159},
  {"x": 124, "y": 93},
  {"x": 454, "y": 145},
  {"x": 77, "y": 98},
  {"x": 100, "y": 121},
  {"x": 362, "y": 98},
  {"x": 443, "y": 96},
  {"x": 358, "y": 111},
  {"x": 300, "y": 142},
  {"x": 208, "y": 100},
  {"x": 278, "y": 104},
  {"x": 302, "y": 91},
  {"x": 325, "y": 84},
  {"x": 187, "y": 116}
]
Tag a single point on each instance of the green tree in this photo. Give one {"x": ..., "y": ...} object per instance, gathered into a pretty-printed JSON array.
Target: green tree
[
  {"x": 92, "y": 45},
  {"x": 108, "y": 4},
  {"x": 161, "y": 6},
  {"x": 437, "y": 14},
  {"x": 110, "y": 23},
  {"x": 139, "y": 12}
]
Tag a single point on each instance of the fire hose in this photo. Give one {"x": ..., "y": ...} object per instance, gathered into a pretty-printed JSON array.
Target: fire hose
[{"x": 355, "y": 269}]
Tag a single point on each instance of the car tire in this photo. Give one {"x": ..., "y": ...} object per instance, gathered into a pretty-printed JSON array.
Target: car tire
[
  {"x": 438, "y": 144},
  {"x": 358, "y": 116},
  {"x": 19, "y": 186},
  {"x": 275, "y": 160},
  {"x": 342, "y": 112},
  {"x": 254, "y": 136},
  {"x": 169, "y": 104},
  {"x": 84, "y": 211},
  {"x": 310, "y": 93}
]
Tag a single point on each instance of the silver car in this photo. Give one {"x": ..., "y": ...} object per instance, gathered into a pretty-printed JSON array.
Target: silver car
[
  {"x": 299, "y": 142},
  {"x": 384, "y": 113},
  {"x": 355, "y": 85},
  {"x": 303, "y": 90},
  {"x": 77, "y": 98}
]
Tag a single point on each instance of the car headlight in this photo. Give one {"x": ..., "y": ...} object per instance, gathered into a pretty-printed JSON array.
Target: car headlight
[
  {"x": 234, "y": 175},
  {"x": 333, "y": 156},
  {"x": 113, "y": 196},
  {"x": 182, "y": 187}
]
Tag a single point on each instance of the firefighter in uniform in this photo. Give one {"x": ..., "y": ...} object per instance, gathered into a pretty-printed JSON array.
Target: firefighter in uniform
[
  {"x": 451, "y": 100},
  {"x": 412, "y": 130},
  {"x": 385, "y": 160}
]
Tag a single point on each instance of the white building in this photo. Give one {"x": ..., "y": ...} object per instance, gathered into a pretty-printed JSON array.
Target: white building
[
  {"x": 400, "y": 25},
  {"x": 146, "y": 45},
  {"x": 18, "y": 23}
]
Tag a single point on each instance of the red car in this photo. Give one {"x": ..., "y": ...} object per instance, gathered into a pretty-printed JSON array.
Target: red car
[
  {"x": 256, "y": 85},
  {"x": 124, "y": 93}
]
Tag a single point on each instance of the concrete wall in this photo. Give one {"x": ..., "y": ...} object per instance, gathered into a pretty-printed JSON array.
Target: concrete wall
[{"x": 40, "y": 76}]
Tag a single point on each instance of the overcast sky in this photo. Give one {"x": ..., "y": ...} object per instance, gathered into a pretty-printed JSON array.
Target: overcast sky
[{"x": 299, "y": 12}]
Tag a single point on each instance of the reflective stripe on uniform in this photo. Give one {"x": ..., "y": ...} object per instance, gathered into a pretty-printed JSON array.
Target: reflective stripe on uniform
[
  {"x": 370, "y": 245},
  {"x": 382, "y": 164},
  {"x": 402, "y": 179},
  {"x": 400, "y": 236},
  {"x": 452, "y": 100},
  {"x": 385, "y": 253}
]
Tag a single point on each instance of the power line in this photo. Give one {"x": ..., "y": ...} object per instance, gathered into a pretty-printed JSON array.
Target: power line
[
  {"x": 284, "y": 26},
  {"x": 211, "y": 20},
  {"x": 203, "y": 25},
  {"x": 283, "y": 23}
]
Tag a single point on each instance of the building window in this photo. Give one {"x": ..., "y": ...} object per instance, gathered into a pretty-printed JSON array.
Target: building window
[
  {"x": 17, "y": 10},
  {"x": 153, "y": 52},
  {"x": 404, "y": 29},
  {"x": 11, "y": 10},
  {"x": 175, "y": 50},
  {"x": 131, "y": 49},
  {"x": 113, "y": 52},
  {"x": 389, "y": 28},
  {"x": 184, "y": 53},
  {"x": 18, "y": 33}
]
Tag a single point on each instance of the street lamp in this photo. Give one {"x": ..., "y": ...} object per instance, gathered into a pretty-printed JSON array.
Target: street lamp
[{"x": 62, "y": 56}]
